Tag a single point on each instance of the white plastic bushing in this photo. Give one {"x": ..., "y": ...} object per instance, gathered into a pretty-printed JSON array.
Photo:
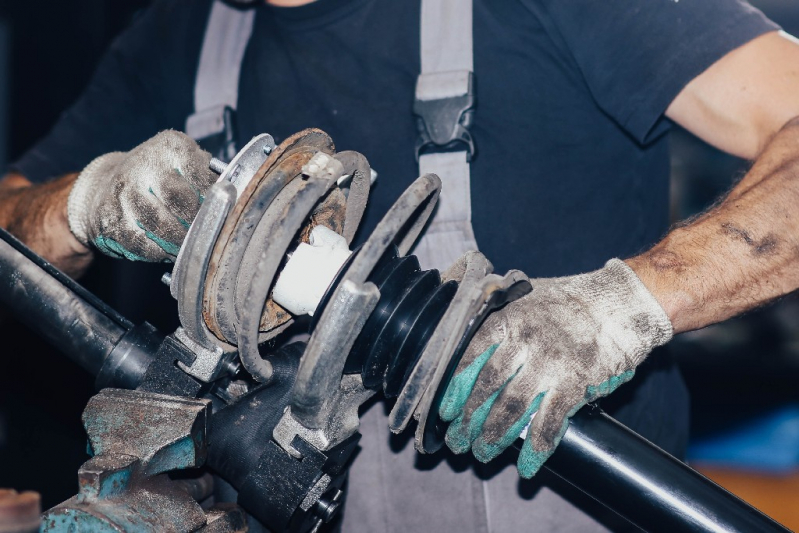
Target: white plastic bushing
[{"x": 310, "y": 270}]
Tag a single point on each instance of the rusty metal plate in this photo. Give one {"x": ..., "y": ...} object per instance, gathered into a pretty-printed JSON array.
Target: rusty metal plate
[{"x": 283, "y": 165}]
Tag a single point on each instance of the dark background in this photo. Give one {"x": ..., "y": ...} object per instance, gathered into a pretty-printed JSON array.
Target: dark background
[
  {"x": 48, "y": 51},
  {"x": 736, "y": 371}
]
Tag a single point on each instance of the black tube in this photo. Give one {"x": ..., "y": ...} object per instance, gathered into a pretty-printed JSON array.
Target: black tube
[
  {"x": 127, "y": 364},
  {"x": 644, "y": 484},
  {"x": 57, "y": 308},
  {"x": 599, "y": 456}
]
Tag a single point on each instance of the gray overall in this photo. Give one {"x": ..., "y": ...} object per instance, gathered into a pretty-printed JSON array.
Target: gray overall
[{"x": 391, "y": 487}]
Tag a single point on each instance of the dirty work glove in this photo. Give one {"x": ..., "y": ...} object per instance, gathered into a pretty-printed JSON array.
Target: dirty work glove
[
  {"x": 139, "y": 204},
  {"x": 568, "y": 342}
]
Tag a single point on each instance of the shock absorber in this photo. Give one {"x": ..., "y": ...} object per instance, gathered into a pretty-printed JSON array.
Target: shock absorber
[
  {"x": 380, "y": 323},
  {"x": 384, "y": 323}
]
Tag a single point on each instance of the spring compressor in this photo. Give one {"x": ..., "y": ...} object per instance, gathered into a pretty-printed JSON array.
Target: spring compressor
[{"x": 279, "y": 423}]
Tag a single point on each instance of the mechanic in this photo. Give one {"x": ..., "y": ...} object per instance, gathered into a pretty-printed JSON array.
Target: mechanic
[{"x": 574, "y": 101}]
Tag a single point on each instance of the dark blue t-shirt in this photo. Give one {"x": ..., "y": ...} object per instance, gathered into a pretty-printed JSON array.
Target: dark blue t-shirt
[{"x": 572, "y": 165}]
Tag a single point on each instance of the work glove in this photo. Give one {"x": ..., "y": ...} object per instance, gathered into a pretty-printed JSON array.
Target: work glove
[
  {"x": 139, "y": 204},
  {"x": 568, "y": 342}
]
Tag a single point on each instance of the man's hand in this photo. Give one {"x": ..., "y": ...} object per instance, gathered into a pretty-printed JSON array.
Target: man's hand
[
  {"x": 139, "y": 204},
  {"x": 568, "y": 342}
]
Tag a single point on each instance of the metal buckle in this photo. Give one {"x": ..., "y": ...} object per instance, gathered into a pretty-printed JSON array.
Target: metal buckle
[{"x": 444, "y": 123}]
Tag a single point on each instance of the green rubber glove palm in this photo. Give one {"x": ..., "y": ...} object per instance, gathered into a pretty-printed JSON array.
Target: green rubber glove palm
[
  {"x": 139, "y": 204},
  {"x": 568, "y": 342}
]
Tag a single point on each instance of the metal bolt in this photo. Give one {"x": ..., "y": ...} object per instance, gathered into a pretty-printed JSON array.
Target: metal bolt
[
  {"x": 231, "y": 367},
  {"x": 268, "y": 149},
  {"x": 326, "y": 509},
  {"x": 166, "y": 279},
  {"x": 217, "y": 165}
]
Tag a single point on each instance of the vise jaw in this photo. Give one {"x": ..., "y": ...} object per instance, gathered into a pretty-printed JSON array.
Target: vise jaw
[{"x": 136, "y": 438}]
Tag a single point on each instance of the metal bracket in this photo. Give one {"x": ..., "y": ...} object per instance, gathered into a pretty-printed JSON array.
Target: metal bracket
[
  {"x": 209, "y": 363},
  {"x": 341, "y": 424}
]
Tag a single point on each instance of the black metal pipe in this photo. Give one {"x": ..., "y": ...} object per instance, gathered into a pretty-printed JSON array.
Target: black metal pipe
[
  {"x": 57, "y": 308},
  {"x": 599, "y": 456},
  {"x": 644, "y": 484},
  {"x": 127, "y": 364}
]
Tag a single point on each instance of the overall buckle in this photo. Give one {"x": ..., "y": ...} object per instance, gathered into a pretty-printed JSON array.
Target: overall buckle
[{"x": 444, "y": 109}]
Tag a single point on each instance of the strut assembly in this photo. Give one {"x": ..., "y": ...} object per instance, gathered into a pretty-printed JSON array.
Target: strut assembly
[
  {"x": 280, "y": 423},
  {"x": 382, "y": 318}
]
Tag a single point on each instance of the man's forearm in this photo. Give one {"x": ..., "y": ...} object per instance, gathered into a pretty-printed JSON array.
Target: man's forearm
[
  {"x": 37, "y": 215},
  {"x": 741, "y": 253}
]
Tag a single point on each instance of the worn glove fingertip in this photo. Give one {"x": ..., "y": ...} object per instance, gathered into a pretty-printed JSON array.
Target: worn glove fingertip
[
  {"x": 461, "y": 435},
  {"x": 461, "y": 386},
  {"x": 456, "y": 438},
  {"x": 112, "y": 248},
  {"x": 530, "y": 461}
]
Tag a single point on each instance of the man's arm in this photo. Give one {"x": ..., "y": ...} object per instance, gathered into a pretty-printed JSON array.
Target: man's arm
[
  {"x": 575, "y": 339},
  {"x": 37, "y": 215},
  {"x": 137, "y": 204},
  {"x": 744, "y": 251}
]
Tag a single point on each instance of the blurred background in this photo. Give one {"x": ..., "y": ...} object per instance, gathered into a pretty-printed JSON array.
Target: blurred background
[{"x": 743, "y": 374}]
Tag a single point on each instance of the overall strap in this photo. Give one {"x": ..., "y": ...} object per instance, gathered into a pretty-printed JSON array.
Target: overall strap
[
  {"x": 216, "y": 88},
  {"x": 444, "y": 105}
]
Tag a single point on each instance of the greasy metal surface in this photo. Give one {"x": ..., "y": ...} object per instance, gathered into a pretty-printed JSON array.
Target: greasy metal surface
[
  {"x": 223, "y": 275},
  {"x": 136, "y": 438},
  {"x": 163, "y": 432},
  {"x": 282, "y": 165},
  {"x": 225, "y": 518},
  {"x": 341, "y": 321},
  {"x": 408, "y": 215},
  {"x": 272, "y": 238},
  {"x": 341, "y": 423},
  {"x": 259, "y": 267},
  {"x": 246, "y": 163},
  {"x": 191, "y": 265},
  {"x": 243, "y": 239},
  {"x": 322, "y": 364},
  {"x": 207, "y": 364},
  {"x": 235, "y": 252},
  {"x": 147, "y": 505},
  {"x": 355, "y": 165},
  {"x": 106, "y": 476}
]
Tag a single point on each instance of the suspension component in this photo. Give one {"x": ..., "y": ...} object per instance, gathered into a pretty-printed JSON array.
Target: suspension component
[{"x": 382, "y": 324}]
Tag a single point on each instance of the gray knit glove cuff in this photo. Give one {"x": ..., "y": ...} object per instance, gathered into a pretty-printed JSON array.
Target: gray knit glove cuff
[
  {"x": 618, "y": 294},
  {"x": 83, "y": 196}
]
